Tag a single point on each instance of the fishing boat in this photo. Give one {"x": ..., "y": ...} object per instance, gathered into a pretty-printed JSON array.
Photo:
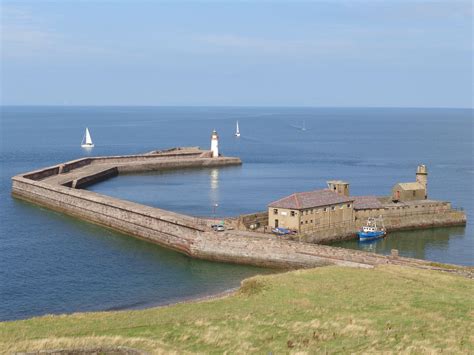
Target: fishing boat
[
  {"x": 237, "y": 130},
  {"x": 87, "y": 140},
  {"x": 371, "y": 230}
]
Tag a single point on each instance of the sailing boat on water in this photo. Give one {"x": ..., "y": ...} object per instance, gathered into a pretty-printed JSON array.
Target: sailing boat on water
[
  {"x": 87, "y": 140},
  {"x": 237, "y": 130}
]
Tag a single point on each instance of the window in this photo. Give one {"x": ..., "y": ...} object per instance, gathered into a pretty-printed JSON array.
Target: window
[
  {"x": 348, "y": 205},
  {"x": 333, "y": 208},
  {"x": 311, "y": 221},
  {"x": 414, "y": 193},
  {"x": 301, "y": 222},
  {"x": 306, "y": 222},
  {"x": 325, "y": 209},
  {"x": 292, "y": 213},
  {"x": 275, "y": 211}
]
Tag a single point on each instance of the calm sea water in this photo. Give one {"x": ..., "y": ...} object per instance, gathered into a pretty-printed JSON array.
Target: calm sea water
[{"x": 51, "y": 263}]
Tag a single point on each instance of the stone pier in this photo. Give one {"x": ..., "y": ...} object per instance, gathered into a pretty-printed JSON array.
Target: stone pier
[{"x": 59, "y": 188}]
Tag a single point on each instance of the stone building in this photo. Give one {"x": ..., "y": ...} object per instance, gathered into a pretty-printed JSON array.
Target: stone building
[
  {"x": 368, "y": 206},
  {"x": 409, "y": 191},
  {"x": 304, "y": 211}
]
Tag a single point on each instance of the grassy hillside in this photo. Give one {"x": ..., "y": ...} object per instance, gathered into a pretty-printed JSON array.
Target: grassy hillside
[{"x": 331, "y": 309}]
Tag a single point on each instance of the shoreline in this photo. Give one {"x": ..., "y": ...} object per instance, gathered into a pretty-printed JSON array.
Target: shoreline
[
  {"x": 221, "y": 294},
  {"x": 458, "y": 270},
  {"x": 191, "y": 299}
]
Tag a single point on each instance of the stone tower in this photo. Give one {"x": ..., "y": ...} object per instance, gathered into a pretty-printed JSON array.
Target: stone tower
[
  {"x": 338, "y": 186},
  {"x": 422, "y": 177},
  {"x": 214, "y": 144}
]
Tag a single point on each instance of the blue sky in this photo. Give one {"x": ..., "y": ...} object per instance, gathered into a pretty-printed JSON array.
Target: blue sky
[{"x": 260, "y": 53}]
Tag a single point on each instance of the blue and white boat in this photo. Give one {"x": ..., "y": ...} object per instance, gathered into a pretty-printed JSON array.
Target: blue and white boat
[{"x": 371, "y": 230}]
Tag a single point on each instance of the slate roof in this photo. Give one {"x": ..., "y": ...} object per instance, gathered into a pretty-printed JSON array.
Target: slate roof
[
  {"x": 410, "y": 186},
  {"x": 309, "y": 199},
  {"x": 366, "y": 202}
]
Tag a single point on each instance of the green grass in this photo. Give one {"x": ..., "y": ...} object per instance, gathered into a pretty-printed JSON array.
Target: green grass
[
  {"x": 328, "y": 309},
  {"x": 445, "y": 266}
]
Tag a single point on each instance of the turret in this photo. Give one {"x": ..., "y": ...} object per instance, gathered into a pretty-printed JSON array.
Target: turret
[
  {"x": 340, "y": 187},
  {"x": 422, "y": 177},
  {"x": 214, "y": 144}
]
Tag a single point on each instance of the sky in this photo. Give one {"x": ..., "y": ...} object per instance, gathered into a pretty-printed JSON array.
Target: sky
[{"x": 390, "y": 53}]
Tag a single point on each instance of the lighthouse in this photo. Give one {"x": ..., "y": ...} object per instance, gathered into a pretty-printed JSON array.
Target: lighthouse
[{"x": 214, "y": 144}]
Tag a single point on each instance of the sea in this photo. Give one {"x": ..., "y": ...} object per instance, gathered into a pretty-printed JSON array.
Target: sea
[{"x": 53, "y": 264}]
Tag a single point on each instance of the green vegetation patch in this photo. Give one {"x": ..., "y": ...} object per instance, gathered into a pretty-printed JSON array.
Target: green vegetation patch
[{"x": 333, "y": 309}]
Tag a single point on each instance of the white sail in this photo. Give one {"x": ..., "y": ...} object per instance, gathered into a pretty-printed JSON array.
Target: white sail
[
  {"x": 87, "y": 140},
  {"x": 88, "y": 137},
  {"x": 237, "y": 131}
]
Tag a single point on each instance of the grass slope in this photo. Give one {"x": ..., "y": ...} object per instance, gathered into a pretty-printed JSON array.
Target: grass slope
[{"x": 333, "y": 309}]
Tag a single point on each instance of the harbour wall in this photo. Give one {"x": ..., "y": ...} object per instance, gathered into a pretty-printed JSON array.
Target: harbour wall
[
  {"x": 393, "y": 223},
  {"x": 192, "y": 236},
  {"x": 188, "y": 235},
  {"x": 439, "y": 214}
]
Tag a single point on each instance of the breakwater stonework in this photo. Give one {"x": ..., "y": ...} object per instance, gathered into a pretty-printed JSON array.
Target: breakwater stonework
[{"x": 60, "y": 188}]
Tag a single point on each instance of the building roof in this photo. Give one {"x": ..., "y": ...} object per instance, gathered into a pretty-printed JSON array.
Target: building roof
[
  {"x": 338, "y": 182},
  {"x": 302, "y": 200},
  {"x": 410, "y": 186},
  {"x": 366, "y": 202}
]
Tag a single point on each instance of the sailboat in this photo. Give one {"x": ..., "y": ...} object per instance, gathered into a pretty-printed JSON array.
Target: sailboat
[
  {"x": 87, "y": 140},
  {"x": 237, "y": 131}
]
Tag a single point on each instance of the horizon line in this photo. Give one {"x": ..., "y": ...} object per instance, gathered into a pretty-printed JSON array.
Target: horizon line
[{"x": 236, "y": 106}]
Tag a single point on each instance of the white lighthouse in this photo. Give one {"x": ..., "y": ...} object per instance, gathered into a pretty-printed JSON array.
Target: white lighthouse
[{"x": 214, "y": 144}]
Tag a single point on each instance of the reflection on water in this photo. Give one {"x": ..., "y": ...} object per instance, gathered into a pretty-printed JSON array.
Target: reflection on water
[
  {"x": 428, "y": 244},
  {"x": 214, "y": 190}
]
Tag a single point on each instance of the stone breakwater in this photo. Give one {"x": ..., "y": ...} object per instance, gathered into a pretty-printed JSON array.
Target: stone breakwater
[{"x": 59, "y": 188}]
